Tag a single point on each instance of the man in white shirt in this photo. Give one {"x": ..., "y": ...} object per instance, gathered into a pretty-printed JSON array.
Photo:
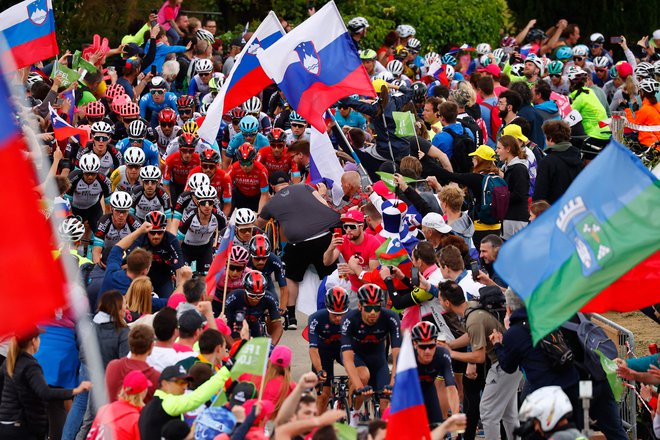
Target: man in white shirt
[{"x": 453, "y": 269}]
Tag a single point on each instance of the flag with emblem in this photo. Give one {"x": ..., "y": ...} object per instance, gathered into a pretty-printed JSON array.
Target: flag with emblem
[
  {"x": 219, "y": 263},
  {"x": 63, "y": 130},
  {"x": 252, "y": 360},
  {"x": 597, "y": 249}
]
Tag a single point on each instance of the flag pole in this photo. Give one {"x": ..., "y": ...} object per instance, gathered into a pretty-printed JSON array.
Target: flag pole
[
  {"x": 262, "y": 385},
  {"x": 350, "y": 147},
  {"x": 415, "y": 135},
  {"x": 224, "y": 290}
]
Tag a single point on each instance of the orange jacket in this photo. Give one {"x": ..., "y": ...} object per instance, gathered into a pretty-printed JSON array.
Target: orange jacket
[{"x": 648, "y": 114}]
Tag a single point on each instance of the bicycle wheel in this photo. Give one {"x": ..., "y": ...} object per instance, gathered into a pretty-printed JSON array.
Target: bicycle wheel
[{"x": 343, "y": 405}]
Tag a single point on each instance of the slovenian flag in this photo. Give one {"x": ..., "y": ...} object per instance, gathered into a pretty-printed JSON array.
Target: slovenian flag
[
  {"x": 597, "y": 249},
  {"x": 63, "y": 130},
  {"x": 246, "y": 79},
  {"x": 29, "y": 29},
  {"x": 219, "y": 264},
  {"x": 315, "y": 65},
  {"x": 324, "y": 164},
  {"x": 408, "y": 420}
]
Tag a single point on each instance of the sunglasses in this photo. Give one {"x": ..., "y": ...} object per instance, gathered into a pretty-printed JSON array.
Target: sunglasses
[
  {"x": 235, "y": 121},
  {"x": 167, "y": 124},
  {"x": 121, "y": 211},
  {"x": 350, "y": 227},
  {"x": 187, "y": 150},
  {"x": 185, "y": 111},
  {"x": 204, "y": 73},
  {"x": 157, "y": 92},
  {"x": 89, "y": 174},
  {"x": 135, "y": 140},
  {"x": 600, "y": 70},
  {"x": 206, "y": 203},
  {"x": 102, "y": 138},
  {"x": 277, "y": 145},
  {"x": 298, "y": 125},
  {"x": 208, "y": 167},
  {"x": 133, "y": 167},
  {"x": 596, "y": 45},
  {"x": 259, "y": 258},
  {"x": 233, "y": 268},
  {"x": 156, "y": 232},
  {"x": 370, "y": 309},
  {"x": 425, "y": 347},
  {"x": 249, "y": 135},
  {"x": 245, "y": 163},
  {"x": 578, "y": 58},
  {"x": 244, "y": 230},
  {"x": 255, "y": 295},
  {"x": 554, "y": 75},
  {"x": 150, "y": 182}
]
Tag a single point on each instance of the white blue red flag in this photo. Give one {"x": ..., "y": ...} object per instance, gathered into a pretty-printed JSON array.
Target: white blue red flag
[
  {"x": 63, "y": 130},
  {"x": 246, "y": 78},
  {"x": 219, "y": 264},
  {"x": 324, "y": 164},
  {"x": 29, "y": 28},
  {"x": 316, "y": 64},
  {"x": 408, "y": 420}
]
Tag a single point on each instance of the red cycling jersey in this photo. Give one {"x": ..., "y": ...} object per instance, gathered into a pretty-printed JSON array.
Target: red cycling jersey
[
  {"x": 220, "y": 181},
  {"x": 249, "y": 184},
  {"x": 284, "y": 163},
  {"x": 176, "y": 171}
]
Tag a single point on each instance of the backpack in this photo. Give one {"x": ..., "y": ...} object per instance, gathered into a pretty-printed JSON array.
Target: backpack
[
  {"x": 495, "y": 120},
  {"x": 472, "y": 125},
  {"x": 556, "y": 349},
  {"x": 492, "y": 300},
  {"x": 494, "y": 201},
  {"x": 462, "y": 145},
  {"x": 590, "y": 337}
]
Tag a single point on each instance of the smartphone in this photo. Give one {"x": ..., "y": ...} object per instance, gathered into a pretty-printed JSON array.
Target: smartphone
[
  {"x": 153, "y": 23},
  {"x": 615, "y": 40},
  {"x": 362, "y": 431},
  {"x": 153, "y": 70},
  {"x": 414, "y": 276},
  {"x": 111, "y": 69},
  {"x": 474, "y": 267},
  {"x": 59, "y": 101},
  {"x": 240, "y": 317}
]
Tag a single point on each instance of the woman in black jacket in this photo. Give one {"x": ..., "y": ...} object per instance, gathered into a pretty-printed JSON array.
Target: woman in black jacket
[
  {"x": 23, "y": 404},
  {"x": 516, "y": 175}
]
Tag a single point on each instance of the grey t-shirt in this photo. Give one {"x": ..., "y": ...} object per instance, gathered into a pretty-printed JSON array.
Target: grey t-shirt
[{"x": 300, "y": 214}]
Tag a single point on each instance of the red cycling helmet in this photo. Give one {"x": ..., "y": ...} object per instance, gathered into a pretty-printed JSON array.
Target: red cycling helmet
[
  {"x": 424, "y": 332},
  {"x": 157, "y": 219},
  {"x": 277, "y": 136},
  {"x": 370, "y": 295},
  {"x": 259, "y": 246},
  {"x": 246, "y": 153},
  {"x": 185, "y": 101},
  {"x": 167, "y": 115},
  {"x": 114, "y": 90},
  {"x": 94, "y": 110},
  {"x": 129, "y": 109},
  {"x": 336, "y": 300},
  {"x": 254, "y": 283},
  {"x": 188, "y": 140},
  {"x": 237, "y": 113},
  {"x": 210, "y": 155}
]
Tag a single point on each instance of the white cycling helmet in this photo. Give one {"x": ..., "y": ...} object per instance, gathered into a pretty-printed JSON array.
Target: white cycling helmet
[
  {"x": 580, "y": 50},
  {"x": 500, "y": 55},
  {"x": 204, "y": 65},
  {"x": 150, "y": 172},
  {"x": 134, "y": 156},
  {"x": 71, "y": 229},
  {"x": 548, "y": 405},
  {"x": 449, "y": 72},
  {"x": 89, "y": 163},
  {"x": 575, "y": 72},
  {"x": 33, "y": 77},
  {"x": 357, "y": 24},
  {"x": 649, "y": 85},
  {"x": 121, "y": 200},
  {"x": 203, "y": 34},
  {"x": 252, "y": 105},
  {"x": 538, "y": 62},
  {"x": 431, "y": 58},
  {"x": 385, "y": 75},
  {"x": 597, "y": 37},
  {"x": 644, "y": 70},
  {"x": 405, "y": 30},
  {"x": 517, "y": 69},
  {"x": 206, "y": 192},
  {"x": 137, "y": 129},
  {"x": 482, "y": 49},
  {"x": 245, "y": 216},
  {"x": 601, "y": 62},
  {"x": 396, "y": 67},
  {"x": 197, "y": 180},
  {"x": 102, "y": 127}
]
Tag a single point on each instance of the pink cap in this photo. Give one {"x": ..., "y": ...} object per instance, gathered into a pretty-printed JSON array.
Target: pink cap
[
  {"x": 493, "y": 69},
  {"x": 624, "y": 69},
  {"x": 135, "y": 382},
  {"x": 382, "y": 190},
  {"x": 281, "y": 356},
  {"x": 353, "y": 216}
]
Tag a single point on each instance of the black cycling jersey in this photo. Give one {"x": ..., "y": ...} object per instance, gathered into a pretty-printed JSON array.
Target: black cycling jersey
[
  {"x": 273, "y": 265},
  {"x": 254, "y": 315},
  {"x": 360, "y": 337},
  {"x": 166, "y": 255},
  {"x": 323, "y": 334},
  {"x": 440, "y": 366}
]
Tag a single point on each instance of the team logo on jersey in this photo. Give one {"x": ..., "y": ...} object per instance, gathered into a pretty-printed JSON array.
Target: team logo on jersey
[
  {"x": 309, "y": 58},
  {"x": 37, "y": 11}
]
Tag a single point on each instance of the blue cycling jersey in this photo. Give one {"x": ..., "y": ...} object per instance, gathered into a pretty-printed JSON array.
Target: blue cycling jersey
[
  {"x": 323, "y": 334},
  {"x": 274, "y": 265},
  {"x": 354, "y": 119},
  {"x": 259, "y": 142},
  {"x": 149, "y": 109},
  {"x": 150, "y": 150},
  {"x": 363, "y": 338}
]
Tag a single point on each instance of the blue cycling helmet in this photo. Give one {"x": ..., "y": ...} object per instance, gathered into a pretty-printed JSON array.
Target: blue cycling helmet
[
  {"x": 448, "y": 59},
  {"x": 249, "y": 124},
  {"x": 564, "y": 53},
  {"x": 555, "y": 68},
  {"x": 295, "y": 117},
  {"x": 613, "y": 72}
]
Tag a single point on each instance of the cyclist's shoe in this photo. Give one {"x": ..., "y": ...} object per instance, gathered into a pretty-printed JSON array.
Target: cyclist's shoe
[
  {"x": 355, "y": 418},
  {"x": 293, "y": 322},
  {"x": 285, "y": 316}
]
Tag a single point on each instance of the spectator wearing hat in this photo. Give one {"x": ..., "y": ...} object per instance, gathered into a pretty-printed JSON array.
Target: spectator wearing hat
[
  {"x": 170, "y": 400},
  {"x": 494, "y": 72},
  {"x": 235, "y": 48},
  {"x": 191, "y": 325},
  {"x": 515, "y": 130},
  {"x": 119, "y": 418},
  {"x": 434, "y": 228}
]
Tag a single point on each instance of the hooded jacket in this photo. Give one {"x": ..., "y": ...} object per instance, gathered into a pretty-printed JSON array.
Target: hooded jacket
[
  {"x": 113, "y": 342},
  {"x": 556, "y": 171},
  {"x": 517, "y": 178},
  {"x": 119, "y": 417},
  {"x": 548, "y": 110},
  {"x": 464, "y": 227}
]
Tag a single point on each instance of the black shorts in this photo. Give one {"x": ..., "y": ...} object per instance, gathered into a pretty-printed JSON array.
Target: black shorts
[
  {"x": 298, "y": 257},
  {"x": 91, "y": 215},
  {"x": 203, "y": 255},
  {"x": 328, "y": 359},
  {"x": 240, "y": 200}
]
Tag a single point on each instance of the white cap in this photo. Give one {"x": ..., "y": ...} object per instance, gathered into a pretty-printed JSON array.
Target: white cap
[
  {"x": 656, "y": 34},
  {"x": 435, "y": 221}
]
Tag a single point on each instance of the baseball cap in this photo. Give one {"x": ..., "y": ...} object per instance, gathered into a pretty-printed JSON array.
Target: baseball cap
[
  {"x": 353, "y": 216},
  {"x": 191, "y": 320},
  {"x": 281, "y": 356},
  {"x": 493, "y": 69},
  {"x": 175, "y": 430},
  {"x": 133, "y": 50},
  {"x": 624, "y": 69},
  {"x": 238, "y": 42},
  {"x": 135, "y": 382},
  {"x": 241, "y": 393},
  {"x": 435, "y": 221},
  {"x": 174, "y": 372},
  {"x": 515, "y": 131},
  {"x": 278, "y": 177},
  {"x": 484, "y": 152},
  {"x": 656, "y": 34}
]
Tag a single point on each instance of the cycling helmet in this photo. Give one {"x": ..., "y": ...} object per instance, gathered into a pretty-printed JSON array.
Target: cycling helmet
[
  {"x": 500, "y": 55},
  {"x": 206, "y": 192},
  {"x": 134, "y": 156},
  {"x": 187, "y": 140},
  {"x": 245, "y": 216},
  {"x": 71, "y": 229},
  {"x": 575, "y": 73},
  {"x": 254, "y": 283},
  {"x": 102, "y": 127},
  {"x": 114, "y": 90},
  {"x": 370, "y": 294},
  {"x": 129, "y": 109},
  {"x": 204, "y": 66},
  {"x": 419, "y": 90},
  {"x": 547, "y": 405},
  {"x": 385, "y": 75},
  {"x": 137, "y": 129},
  {"x": 508, "y": 41},
  {"x": 538, "y": 62},
  {"x": 277, "y": 135},
  {"x": 121, "y": 200},
  {"x": 252, "y": 105},
  {"x": 449, "y": 72},
  {"x": 368, "y": 55},
  {"x": 535, "y": 34},
  {"x": 209, "y": 155},
  {"x": 33, "y": 78},
  {"x": 644, "y": 70},
  {"x": 336, "y": 300},
  {"x": 150, "y": 172},
  {"x": 401, "y": 53},
  {"x": 398, "y": 83},
  {"x": 239, "y": 255},
  {"x": 484, "y": 60},
  {"x": 190, "y": 127},
  {"x": 167, "y": 115},
  {"x": 555, "y": 68},
  {"x": 215, "y": 83},
  {"x": 89, "y": 163},
  {"x": 185, "y": 101},
  {"x": 246, "y": 153},
  {"x": 203, "y": 34},
  {"x": 414, "y": 45},
  {"x": 597, "y": 38},
  {"x": 482, "y": 49},
  {"x": 197, "y": 180},
  {"x": 204, "y": 108},
  {"x": 259, "y": 246},
  {"x": 237, "y": 113},
  {"x": 295, "y": 117},
  {"x": 248, "y": 125},
  {"x": 94, "y": 110},
  {"x": 656, "y": 68},
  {"x": 448, "y": 59},
  {"x": 649, "y": 85},
  {"x": 613, "y": 72},
  {"x": 405, "y": 30},
  {"x": 396, "y": 67},
  {"x": 357, "y": 24},
  {"x": 602, "y": 62},
  {"x": 158, "y": 83},
  {"x": 517, "y": 69},
  {"x": 580, "y": 50},
  {"x": 431, "y": 58},
  {"x": 564, "y": 53},
  {"x": 157, "y": 219},
  {"x": 424, "y": 332}
]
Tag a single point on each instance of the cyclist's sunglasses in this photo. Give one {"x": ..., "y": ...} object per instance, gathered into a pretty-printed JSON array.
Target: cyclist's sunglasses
[
  {"x": 208, "y": 166},
  {"x": 206, "y": 203},
  {"x": 245, "y": 163},
  {"x": 102, "y": 138},
  {"x": 298, "y": 125},
  {"x": 370, "y": 309},
  {"x": 425, "y": 347},
  {"x": 234, "y": 268},
  {"x": 157, "y": 92}
]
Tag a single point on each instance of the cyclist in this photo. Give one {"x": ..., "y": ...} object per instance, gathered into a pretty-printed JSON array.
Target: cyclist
[
  {"x": 137, "y": 131},
  {"x": 299, "y": 130},
  {"x": 585, "y": 101},
  {"x": 266, "y": 262},
  {"x": 246, "y": 220},
  {"x": 186, "y": 106},
  {"x": 199, "y": 83},
  {"x": 187, "y": 202},
  {"x": 108, "y": 155},
  {"x": 249, "y": 127},
  {"x": 115, "y": 225},
  {"x": 127, "y": 112},
  {"x": 346, "y": 117},
  {"x": 94, "y": 112},
  {"x": 363, "y": 335},
  {"x": 150, "y": 196},
  {"x": 209, "y": 166},
  {"x": 179, "y": 164},
  {"x": 249, "y": 180},
  {"x": 89, "y": 191},
  {"x": 253, "y": 107},
  {"x": 127, "y": 176},
  {"x": 252, "y": 302},
  {"x": 275, "y": 157},
  {"x": 157, "y": 99},
  {"x": 558, "y": 81},
  {"x": 231, "y": 130},
  {"x": 166, "y": 131},
  {"x": 325, "y": 340},
  {"x": 357, "y": 26},
  {"x": 648, "y": 113},
  {"x": 199, "y": 229},
  {"x": 238, "y": 259},
  {"x": 215, "y": 83},
  {"x": 435, "y": 373},
  {"x": 601, "y": 71}
]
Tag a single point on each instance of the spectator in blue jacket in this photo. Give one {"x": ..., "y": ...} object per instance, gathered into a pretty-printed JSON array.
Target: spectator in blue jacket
[
  {"x": 448, "y": 116},
  {"x": 162, "y": 50}
]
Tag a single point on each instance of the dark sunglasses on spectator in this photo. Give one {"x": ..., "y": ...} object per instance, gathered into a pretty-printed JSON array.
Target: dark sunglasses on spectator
[
  {"x": 578, "y": 58},
  {"x": 234, "y": 268},
  {"x": 350, "y": 227},
  {"x": 298, "y": 125},
  {"x": 102, "y": 138},
  {"x": 167, "y": 124},
  {"x": 157, "y": 92},
  {"x": 206, "y": 203},
  {"x": 425, "y": 347},
  {"x": 206, "y": 166},
  {"x": 370, "y": 309},
  {"x": 156, "y": 232}
]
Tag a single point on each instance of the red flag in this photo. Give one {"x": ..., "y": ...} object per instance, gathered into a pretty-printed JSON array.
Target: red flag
[
  {"x": 218, "y": 266},
  {"x": 63, "y": 130}
]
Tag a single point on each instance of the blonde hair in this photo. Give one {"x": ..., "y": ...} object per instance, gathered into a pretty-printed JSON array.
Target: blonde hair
[
  {"x": 133, "y": 399},
  {"x": 465, "y": 85},
  {"x": 138, "y": 297},
  {"x": 273, "y": 372},
  {"x": 16, "y": 347},
  {"x": 453, "y": 197}
]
